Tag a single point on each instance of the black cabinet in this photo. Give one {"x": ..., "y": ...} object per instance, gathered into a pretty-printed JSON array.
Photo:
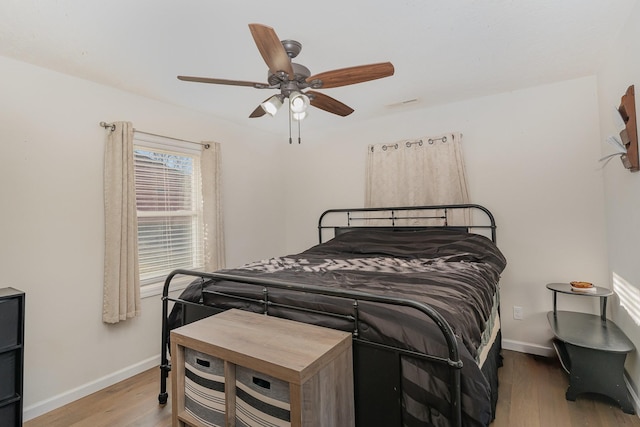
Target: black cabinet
[{"x": 11, "y": 356}]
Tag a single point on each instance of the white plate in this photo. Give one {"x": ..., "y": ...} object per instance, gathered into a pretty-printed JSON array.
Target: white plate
[{"x": 591, "y": 289}]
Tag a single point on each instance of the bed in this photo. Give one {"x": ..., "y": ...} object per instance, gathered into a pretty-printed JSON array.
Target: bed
[{"x": 418, "y": 288}]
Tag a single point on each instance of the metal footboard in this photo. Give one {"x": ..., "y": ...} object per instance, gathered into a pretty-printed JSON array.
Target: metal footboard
[{"x": 452, "y": 361}]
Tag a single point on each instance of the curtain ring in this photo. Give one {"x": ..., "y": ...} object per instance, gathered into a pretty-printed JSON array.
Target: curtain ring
[
  {"x": 432, "y": 140},
  {"x": 410, "y": 143},
  {"x": 111, "y": 126}
]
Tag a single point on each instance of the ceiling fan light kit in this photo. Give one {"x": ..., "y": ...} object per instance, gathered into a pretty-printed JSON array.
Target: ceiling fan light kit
[{"x": 291, "y": 78}]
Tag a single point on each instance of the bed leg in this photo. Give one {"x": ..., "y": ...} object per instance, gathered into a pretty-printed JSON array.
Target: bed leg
[
  {"x": 165, "y": 367},
  {"x": 162, "y": 398}
]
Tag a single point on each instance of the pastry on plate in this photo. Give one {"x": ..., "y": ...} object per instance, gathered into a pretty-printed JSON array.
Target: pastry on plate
[{"x": 581, "y": 285}]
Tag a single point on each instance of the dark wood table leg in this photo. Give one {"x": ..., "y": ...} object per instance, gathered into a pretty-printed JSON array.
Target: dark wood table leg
[{"x": 597, "y": 371}]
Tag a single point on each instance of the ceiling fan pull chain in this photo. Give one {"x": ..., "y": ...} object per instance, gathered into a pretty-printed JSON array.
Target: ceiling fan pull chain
[{"x": 290, "y": 141}]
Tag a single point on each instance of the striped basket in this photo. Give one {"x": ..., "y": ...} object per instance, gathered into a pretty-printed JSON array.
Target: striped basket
[
  {"x": 261, "y": 400},
  {"x": 204, "y": 388}
]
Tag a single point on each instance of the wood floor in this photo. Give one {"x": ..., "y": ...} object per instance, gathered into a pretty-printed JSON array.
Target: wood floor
[{"x": 531, "y": 394}]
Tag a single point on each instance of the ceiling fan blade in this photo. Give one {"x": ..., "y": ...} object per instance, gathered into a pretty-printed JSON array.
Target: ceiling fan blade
[
  {"x": 224, "y": 82},
  {"x": 259, "y": 111},
  {"x": 353, "y": 75},
  {"x": 327, "y": 103},
  {"x": 271, "y": 49}
]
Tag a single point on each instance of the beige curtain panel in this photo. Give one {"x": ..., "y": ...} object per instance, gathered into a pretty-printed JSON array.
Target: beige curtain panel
[
  {"x": 121, "y": 296},
  {"x": 214, "y": 255},
  {"x": 421, "y": 172}
]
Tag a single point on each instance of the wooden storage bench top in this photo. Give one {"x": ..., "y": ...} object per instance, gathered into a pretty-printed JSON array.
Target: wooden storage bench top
[{"x": 285, "y": 349}]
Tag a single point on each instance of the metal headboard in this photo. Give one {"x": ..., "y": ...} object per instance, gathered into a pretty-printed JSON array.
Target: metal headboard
[{"x": 407, "y": 218}]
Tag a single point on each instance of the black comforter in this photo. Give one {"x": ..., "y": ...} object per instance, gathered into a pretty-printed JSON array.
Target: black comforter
[{"x": 454, "y": 272}]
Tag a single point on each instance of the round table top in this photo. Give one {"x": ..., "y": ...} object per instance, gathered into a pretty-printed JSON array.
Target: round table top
[{"x": 566, "y": 288}]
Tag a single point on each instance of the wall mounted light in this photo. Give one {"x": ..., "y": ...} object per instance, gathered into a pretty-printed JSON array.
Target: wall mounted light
[
  {"x": 629, "y": 135},
  {"x": 625, "y": 145}
]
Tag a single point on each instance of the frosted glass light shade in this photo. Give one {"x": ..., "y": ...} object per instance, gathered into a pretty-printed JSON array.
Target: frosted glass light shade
[
  {"x": 272, "y": 105},
  {"x": 298, "y": 102},
  {"x": 298, "y": 116}
]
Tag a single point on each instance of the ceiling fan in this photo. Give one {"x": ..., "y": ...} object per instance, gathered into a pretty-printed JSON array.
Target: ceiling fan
[{"x": 292, "y": 78}]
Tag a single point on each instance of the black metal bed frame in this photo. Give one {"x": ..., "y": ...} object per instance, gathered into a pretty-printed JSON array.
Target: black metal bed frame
[{"x": 394, "y": 216}]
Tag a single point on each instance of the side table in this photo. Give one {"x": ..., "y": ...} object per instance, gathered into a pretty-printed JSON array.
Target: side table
[{"x": 591, "y": 348}]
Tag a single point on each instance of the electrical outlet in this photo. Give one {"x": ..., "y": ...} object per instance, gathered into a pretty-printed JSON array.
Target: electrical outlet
[{"x": 517, "y": 312}]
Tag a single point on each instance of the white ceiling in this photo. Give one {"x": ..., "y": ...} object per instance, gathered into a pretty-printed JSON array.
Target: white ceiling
[{"x": 443, "y": 51}]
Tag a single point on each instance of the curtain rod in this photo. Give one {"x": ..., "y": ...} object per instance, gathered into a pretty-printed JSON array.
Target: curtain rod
[
  {"x": 112, "y": 127},
  {"x": 409, "y": 143},
  {"x": 419, "y": 142}
]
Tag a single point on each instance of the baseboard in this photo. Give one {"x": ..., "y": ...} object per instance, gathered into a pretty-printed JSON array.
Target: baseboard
[
  {"x": 525, "y": 347},
  {"x": 634, "y": 396},
  {"x": 42, "y": 407}
]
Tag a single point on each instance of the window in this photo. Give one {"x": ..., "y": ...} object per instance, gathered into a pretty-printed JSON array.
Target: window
[{"x": 169, "y": 207}]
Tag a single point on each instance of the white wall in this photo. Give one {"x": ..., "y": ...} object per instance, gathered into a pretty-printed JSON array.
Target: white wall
[
  {"x": 52, "y": 232},
  {"x": 532, "y": 159},
  {"x": 622, "y": 188}
]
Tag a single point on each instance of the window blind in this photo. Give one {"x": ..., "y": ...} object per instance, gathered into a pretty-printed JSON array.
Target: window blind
[{"x": 169, "y": 207}]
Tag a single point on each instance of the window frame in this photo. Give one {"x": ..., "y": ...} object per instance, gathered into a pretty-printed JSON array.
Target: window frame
[{"x": 141, "y": 141}]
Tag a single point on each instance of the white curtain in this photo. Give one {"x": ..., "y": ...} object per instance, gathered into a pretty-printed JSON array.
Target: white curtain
[
  {"x": 421, "y": 172},
  {"x": 121, "y": 296},
  {"x": 214, "y": 255}
]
